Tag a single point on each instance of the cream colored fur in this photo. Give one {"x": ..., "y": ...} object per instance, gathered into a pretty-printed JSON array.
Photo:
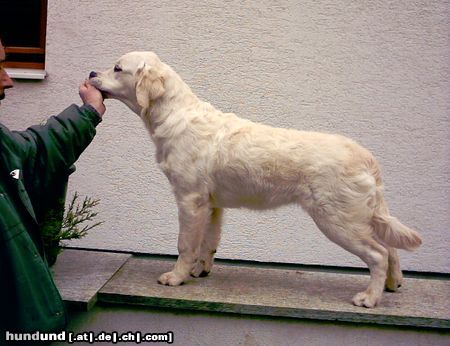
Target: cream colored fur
[{"x": 217, "y": 160}]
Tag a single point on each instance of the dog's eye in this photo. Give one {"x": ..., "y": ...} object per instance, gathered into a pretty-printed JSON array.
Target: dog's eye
[{"x": 117, "y": 68}]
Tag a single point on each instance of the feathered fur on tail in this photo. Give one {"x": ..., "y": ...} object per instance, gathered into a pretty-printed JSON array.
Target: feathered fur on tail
[{"x": 390, "y": 230}]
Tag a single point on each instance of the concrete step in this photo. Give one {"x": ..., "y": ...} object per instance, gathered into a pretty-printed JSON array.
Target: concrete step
[{"x": 253, "y": 290}]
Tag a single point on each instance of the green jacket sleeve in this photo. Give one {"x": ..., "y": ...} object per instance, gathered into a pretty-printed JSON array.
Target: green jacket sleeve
[
  {"x": 56, "y": 145},
  {"x": 48, "y": 151}
]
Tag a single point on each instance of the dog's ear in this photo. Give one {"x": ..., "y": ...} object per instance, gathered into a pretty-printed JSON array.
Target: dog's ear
[{"x": 149, "y": 86}]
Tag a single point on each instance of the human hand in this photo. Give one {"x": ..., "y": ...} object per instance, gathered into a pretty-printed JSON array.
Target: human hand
[{"x": 92, "y": 96}]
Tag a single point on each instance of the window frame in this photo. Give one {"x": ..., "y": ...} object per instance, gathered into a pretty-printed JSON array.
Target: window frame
[{"x": 30, "y": 64}]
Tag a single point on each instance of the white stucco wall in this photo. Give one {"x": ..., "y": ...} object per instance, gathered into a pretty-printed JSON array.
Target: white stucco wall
[{"x": 376, "y": 71}]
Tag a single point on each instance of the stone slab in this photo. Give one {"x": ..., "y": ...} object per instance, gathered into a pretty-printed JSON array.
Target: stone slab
[
  {"x": 80, "y": 274},
  {"x": 280, "y": 292}
]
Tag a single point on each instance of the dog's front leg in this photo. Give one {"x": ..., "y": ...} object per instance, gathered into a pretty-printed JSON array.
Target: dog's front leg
[
  {"x": 209, "y": 245},
  {"x": 193, "y": 212}
]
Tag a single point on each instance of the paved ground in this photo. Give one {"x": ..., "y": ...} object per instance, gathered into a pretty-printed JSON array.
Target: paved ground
[{"x": 85, "y": 276}]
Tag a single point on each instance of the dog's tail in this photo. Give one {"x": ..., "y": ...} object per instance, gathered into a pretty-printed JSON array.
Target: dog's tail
[
  {"x": 394, "y": 233},
  {"x": 389, "y": 229}
]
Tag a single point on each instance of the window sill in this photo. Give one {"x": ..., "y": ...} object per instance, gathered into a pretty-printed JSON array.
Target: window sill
[
  {"x": 85, "y": 277},
  {"x": 25, "y": 73}
]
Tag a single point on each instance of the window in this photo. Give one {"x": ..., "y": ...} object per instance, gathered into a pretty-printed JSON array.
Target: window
[{"x": 23, "y": 27}]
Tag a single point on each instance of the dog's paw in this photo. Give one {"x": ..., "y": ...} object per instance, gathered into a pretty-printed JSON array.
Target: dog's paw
[
  {"x": 170, "y": 279},
  {"x": 200, "y": 269},
  {"x": 366, "y": 300},
  {"x": 394, "y": 282}
]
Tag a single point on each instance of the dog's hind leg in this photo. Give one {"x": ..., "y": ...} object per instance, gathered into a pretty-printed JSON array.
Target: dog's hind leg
[
  {"x": 194, "y": 212},
  {"x": 211, "y": 239},
  {"x": 356, "y": 238},
  {"x": 376, "y": 257},
  {"x": 394, "y": 273}
]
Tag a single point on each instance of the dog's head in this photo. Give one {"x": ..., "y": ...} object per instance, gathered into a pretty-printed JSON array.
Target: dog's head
[{"x": 136, "y": 79}]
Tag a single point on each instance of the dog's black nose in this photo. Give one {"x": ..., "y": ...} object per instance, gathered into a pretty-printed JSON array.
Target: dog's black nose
[{"x": 92, "y": 74}]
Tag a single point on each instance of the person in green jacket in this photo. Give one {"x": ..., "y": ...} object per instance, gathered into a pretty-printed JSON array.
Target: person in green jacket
[{"x": 34, "y": 169}]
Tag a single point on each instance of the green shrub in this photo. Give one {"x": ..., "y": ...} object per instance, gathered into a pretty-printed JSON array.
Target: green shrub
[{"x": 76, "y": 215}]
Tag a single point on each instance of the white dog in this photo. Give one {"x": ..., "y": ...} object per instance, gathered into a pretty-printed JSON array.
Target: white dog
[{"x": 216, "y": 160}]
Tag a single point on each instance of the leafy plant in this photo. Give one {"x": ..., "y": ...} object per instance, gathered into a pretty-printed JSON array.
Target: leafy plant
[{"x": 76, "y": 215}]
